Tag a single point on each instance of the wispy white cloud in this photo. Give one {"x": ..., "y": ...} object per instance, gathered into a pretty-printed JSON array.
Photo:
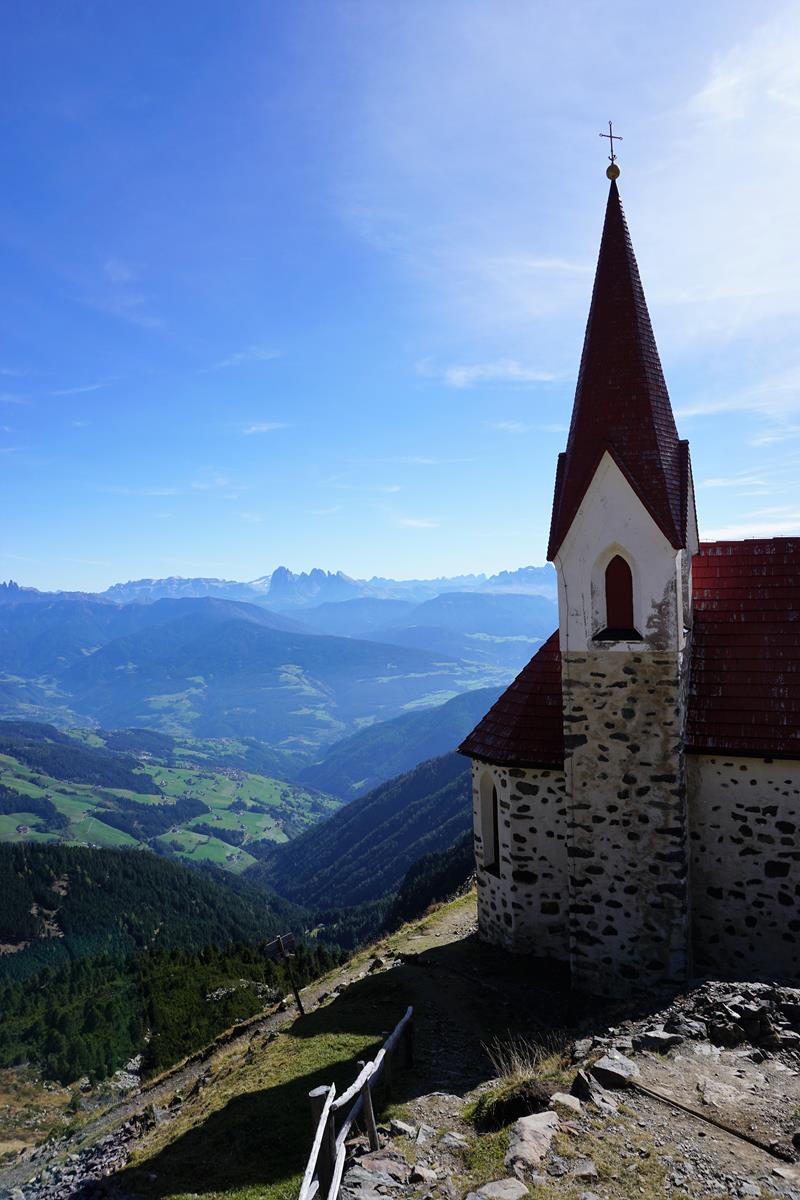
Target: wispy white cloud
[
  {"x": 780, "y": 524},
  {"x": 79, "y": 390},
  {"x": 386, "y": 489},
  {"x": 115, "y": 295},
  {"x": 264, "y": 427},
  {"x": 774, "y": 401},
  {"x": 252, "y": 518},
  {"x": 12, "y": 398},
  {"x": 505, "y": 370},
  {"x": 211, "y": 481},
  {"x": 418, "y": 522},
  {"x": 326, "y": 512},
  {"x": 776, "y": 435},
  {"x": 559, "y": 266},
  {"x": 250, "y": 354},
  {"x": 737, "y": 480}
]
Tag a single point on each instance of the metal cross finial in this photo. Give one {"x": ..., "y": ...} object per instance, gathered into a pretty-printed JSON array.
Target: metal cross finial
[{"x": 613, "y": 171}]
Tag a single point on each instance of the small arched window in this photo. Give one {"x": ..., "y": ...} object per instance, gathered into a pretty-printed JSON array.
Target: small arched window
[
  {"x": 490, "y": 825},
  {"x": 619, "y": 603},
  {"x": 619, "y": 594}
]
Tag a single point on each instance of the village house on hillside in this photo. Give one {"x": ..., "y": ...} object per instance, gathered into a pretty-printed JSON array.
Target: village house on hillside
[{"x": 637, "y": 788}]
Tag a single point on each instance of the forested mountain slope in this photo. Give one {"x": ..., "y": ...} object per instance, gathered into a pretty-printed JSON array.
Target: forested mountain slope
[
  {"x": 104, "y": 947},
  {"x": 64, "y": 902},
  {"x": 357, "y": 764},
  {"x": 366, "y": 848}
]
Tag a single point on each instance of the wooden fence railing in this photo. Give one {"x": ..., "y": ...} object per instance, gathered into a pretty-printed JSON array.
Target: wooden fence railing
[{"x": 323, "y": 1174}]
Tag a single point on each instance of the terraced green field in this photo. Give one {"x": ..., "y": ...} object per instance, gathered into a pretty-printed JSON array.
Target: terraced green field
[{"x": 242, "y": 808}]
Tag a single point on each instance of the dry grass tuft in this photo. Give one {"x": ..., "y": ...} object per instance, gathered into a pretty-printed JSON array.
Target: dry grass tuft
[{"x": 517, "y": 1058}]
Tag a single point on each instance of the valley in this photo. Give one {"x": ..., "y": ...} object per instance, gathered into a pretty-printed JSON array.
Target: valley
[
  {"x": 192, "y": 806},
  {"x": 184, "y": 776},
  {"x": 297, "y": 678}
]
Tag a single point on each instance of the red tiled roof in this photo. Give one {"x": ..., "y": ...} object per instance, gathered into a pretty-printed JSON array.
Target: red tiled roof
[
  {"x": 744, "y": 686},
  {"x": 621, "y": 401},
  {"x": 524, "y": 727},
  {"x": 744, "y": 682}
]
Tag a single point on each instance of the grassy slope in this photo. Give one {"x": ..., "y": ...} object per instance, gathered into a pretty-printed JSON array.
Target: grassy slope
[
  {"x": 242, "y": 1132},
  {"x": 245, "y": 1136}
]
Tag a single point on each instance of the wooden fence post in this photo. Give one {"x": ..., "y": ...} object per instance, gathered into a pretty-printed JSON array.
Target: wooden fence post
[
  {"x": 369, "y": 1112},
  {"x": 326, "y": 1163},
  {"x": 409, "y": 1039},
  {"x": 286, "y": 959}
]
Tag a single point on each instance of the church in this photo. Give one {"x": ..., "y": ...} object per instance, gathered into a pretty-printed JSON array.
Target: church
[{"x": 637, "y": 788}]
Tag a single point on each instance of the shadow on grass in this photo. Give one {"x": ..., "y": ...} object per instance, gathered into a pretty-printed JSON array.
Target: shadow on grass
[
  {"x": 260, "y": 1138},
  {"x": 464, "y": 995}
]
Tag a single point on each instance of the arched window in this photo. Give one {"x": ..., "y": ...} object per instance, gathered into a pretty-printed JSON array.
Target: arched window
[
  {"x": 490, "y": 825},
  {"x": 619, "y": 597}
]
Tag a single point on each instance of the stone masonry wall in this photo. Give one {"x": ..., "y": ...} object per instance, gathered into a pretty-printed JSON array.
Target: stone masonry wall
[
  {"x": 628, "y": 838},
  {"x": 744, "y": 816},
  {"x": 524, "y": 907}
]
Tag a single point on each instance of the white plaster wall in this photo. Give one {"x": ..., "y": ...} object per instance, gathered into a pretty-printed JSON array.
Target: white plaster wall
[
  {"x": 744, "y": 820},
  {"x": 524, "y": 907},
  {"x": 612, "y": 520}
]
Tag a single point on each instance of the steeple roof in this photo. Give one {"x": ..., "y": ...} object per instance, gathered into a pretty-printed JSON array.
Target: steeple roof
[{"x": 621, "y": 401}]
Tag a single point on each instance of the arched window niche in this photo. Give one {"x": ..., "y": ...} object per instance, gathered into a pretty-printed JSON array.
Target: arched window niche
[
  {"x": 617, "y": 586},
  {"x": 490, "y": 824}
]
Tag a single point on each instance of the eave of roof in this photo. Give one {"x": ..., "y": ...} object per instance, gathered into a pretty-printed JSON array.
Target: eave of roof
[{"x": 524, "y": 728}]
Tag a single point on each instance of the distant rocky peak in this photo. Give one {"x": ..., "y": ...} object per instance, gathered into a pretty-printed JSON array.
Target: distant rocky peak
[{"x": 312, "y": 587}]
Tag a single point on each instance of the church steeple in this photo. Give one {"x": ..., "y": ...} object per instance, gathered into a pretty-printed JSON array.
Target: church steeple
[{"x": 621, "y": 402}]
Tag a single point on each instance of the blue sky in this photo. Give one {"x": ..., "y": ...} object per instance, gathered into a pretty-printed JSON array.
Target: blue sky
[{"x": 306, "y": 283}]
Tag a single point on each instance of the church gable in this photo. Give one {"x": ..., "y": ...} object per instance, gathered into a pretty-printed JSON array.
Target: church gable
[{"x": 612, "y": 522}]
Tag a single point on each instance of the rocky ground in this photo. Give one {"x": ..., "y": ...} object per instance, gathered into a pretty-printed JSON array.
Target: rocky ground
[
  {"x": 701, "y": 1100},
  {"x": 697, "y": 1097}
]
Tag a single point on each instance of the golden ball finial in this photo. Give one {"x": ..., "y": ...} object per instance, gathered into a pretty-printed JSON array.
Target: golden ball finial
[{"x": 612, "y": 172}]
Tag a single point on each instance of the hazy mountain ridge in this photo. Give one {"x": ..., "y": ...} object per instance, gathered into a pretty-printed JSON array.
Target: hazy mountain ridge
[
  {"x": 284, "y": 588},
  {"x": 212, "y": 668}
]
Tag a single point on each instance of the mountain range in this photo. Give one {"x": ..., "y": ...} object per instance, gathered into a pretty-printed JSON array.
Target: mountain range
[
  {"x": 213, "y": 667},
  {"x": 285, "y": 589}
]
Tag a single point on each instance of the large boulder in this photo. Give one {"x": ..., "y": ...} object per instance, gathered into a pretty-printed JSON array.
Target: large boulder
[
  {"x": 530, "y": 1140},
  {"x": 614, "y": 1070}
]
